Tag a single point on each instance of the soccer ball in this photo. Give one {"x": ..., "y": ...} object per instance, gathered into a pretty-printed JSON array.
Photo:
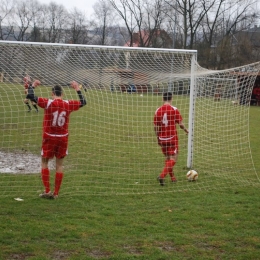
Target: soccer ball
[{"x": 192, "y": 175}]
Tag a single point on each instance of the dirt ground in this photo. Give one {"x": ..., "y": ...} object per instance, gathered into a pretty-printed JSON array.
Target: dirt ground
[{"x": 20, "y": 163}]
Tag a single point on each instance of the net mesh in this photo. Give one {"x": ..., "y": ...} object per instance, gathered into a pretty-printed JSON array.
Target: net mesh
[{"x": 112, "y": 145}]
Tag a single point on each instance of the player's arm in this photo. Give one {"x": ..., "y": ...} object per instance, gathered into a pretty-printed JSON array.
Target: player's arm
[
  {"x": 182, "y": 126},
  {"x": 82, "y": 99},
  {"x": 178, "y": 120},
  {"x": 27, "y": 80},
  {"x": 156, "y": 130},
  {"x": 35, "y": 84}
]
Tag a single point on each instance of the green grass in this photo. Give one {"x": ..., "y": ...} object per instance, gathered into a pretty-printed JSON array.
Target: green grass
[
  {"x": 192, "y": 225},
  {"x": 218, "y": 222}
]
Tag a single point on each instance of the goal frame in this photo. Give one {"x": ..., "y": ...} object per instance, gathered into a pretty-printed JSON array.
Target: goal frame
[
  {"x": 192, "y": 77},
  {"x": 118, "y": 149}
]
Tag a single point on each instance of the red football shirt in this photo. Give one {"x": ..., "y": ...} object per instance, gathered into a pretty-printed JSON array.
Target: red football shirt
[
  {"x": 56, "y": 115},
  {"x": 166, "y": 117}
]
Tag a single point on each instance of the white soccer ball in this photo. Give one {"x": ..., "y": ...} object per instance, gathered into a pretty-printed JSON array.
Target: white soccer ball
[{"x": 192, "y": 175}]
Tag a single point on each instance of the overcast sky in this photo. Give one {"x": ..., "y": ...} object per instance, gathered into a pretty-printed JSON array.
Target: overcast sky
[{"x": 83, "y": 5}]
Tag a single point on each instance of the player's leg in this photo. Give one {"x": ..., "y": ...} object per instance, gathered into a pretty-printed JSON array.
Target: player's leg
[
  {"x": 26, "y": 101},
  {"x": 164, "y": 172},
  {"x": 62, "y": 151},
  {"x": 35, "y": 106},
  {"x": 58, "y": 176},
  {"x": 171, "y": 160},
  {"x": 47, "y": 153},
  {"x": 45, "y": 172},
  {"x": 171, "y": 153},
  {"x": 168, "y": 169}
]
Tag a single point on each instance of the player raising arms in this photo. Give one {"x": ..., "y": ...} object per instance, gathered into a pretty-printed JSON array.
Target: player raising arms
[
  {"x": 55, "y": 134},
  {"x": 29, "y": 90},
  {"x": 165, "y": 119},
  {"x": 26, "y": 81}
]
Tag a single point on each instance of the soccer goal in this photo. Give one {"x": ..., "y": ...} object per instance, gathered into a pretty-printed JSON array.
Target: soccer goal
[{"x": 112, "y": 145}]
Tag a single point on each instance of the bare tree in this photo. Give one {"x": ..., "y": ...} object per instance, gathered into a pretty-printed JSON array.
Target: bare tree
[
  {"x": 192, "y": 13},
  {"x": 36, "y": 10},
  {"x": 142, "y": 18},
  {"x": 153, "y": 13},
  {"x": 43, "y": 23},
  {"x": 104, "y": 22},
  {"x": 6, "y": 9},
  {"x": 219, "y": 30},
  {"x": 22, "y": 20},
  {"x": 210, "y": 27},
  {"x": 77, "y": 31},
  {"x": 124, "y": 12},
  {"x": 57, "y": 17}
]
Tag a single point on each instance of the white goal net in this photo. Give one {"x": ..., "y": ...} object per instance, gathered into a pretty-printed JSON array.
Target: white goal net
[{"x": 112, "y": 145}]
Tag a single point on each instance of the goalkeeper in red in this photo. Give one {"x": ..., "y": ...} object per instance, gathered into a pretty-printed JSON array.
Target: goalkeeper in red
[
  {"x": 55, "y": 134},
  {"x": 165, "y": 120}
]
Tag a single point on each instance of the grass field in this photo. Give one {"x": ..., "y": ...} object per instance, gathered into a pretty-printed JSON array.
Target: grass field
[{"x": 193, "y": 223}]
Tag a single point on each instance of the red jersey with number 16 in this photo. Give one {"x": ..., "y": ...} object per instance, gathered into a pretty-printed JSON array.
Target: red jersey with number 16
[
  {"x": 166, "y": 117},
  {"x": 56, "y": 115}
]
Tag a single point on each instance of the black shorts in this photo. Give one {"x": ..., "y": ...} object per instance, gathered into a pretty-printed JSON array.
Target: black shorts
[{"x": 31, "y": 97}]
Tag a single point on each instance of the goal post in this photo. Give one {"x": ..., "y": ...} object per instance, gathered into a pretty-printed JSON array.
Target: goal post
[
  {"x": 112, "y": 145},
  {"x": 191, "y": 110}
]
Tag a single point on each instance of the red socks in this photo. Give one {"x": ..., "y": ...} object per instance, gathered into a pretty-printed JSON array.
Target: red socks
[
  {"x": 58, "y": 181},
  {"x": 46, "y": 179},
  {"x": 168, "y": 168}
]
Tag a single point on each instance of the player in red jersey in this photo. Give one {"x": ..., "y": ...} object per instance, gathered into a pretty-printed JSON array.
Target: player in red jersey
[
  {"x": 165, "y": 120},
  {"x": 55, "y": 134}
]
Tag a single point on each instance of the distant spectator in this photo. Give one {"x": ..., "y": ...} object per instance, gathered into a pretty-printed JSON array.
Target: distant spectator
[
  {"x": 256, "y": 92},
  {"x": 131, "y": 88}
]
